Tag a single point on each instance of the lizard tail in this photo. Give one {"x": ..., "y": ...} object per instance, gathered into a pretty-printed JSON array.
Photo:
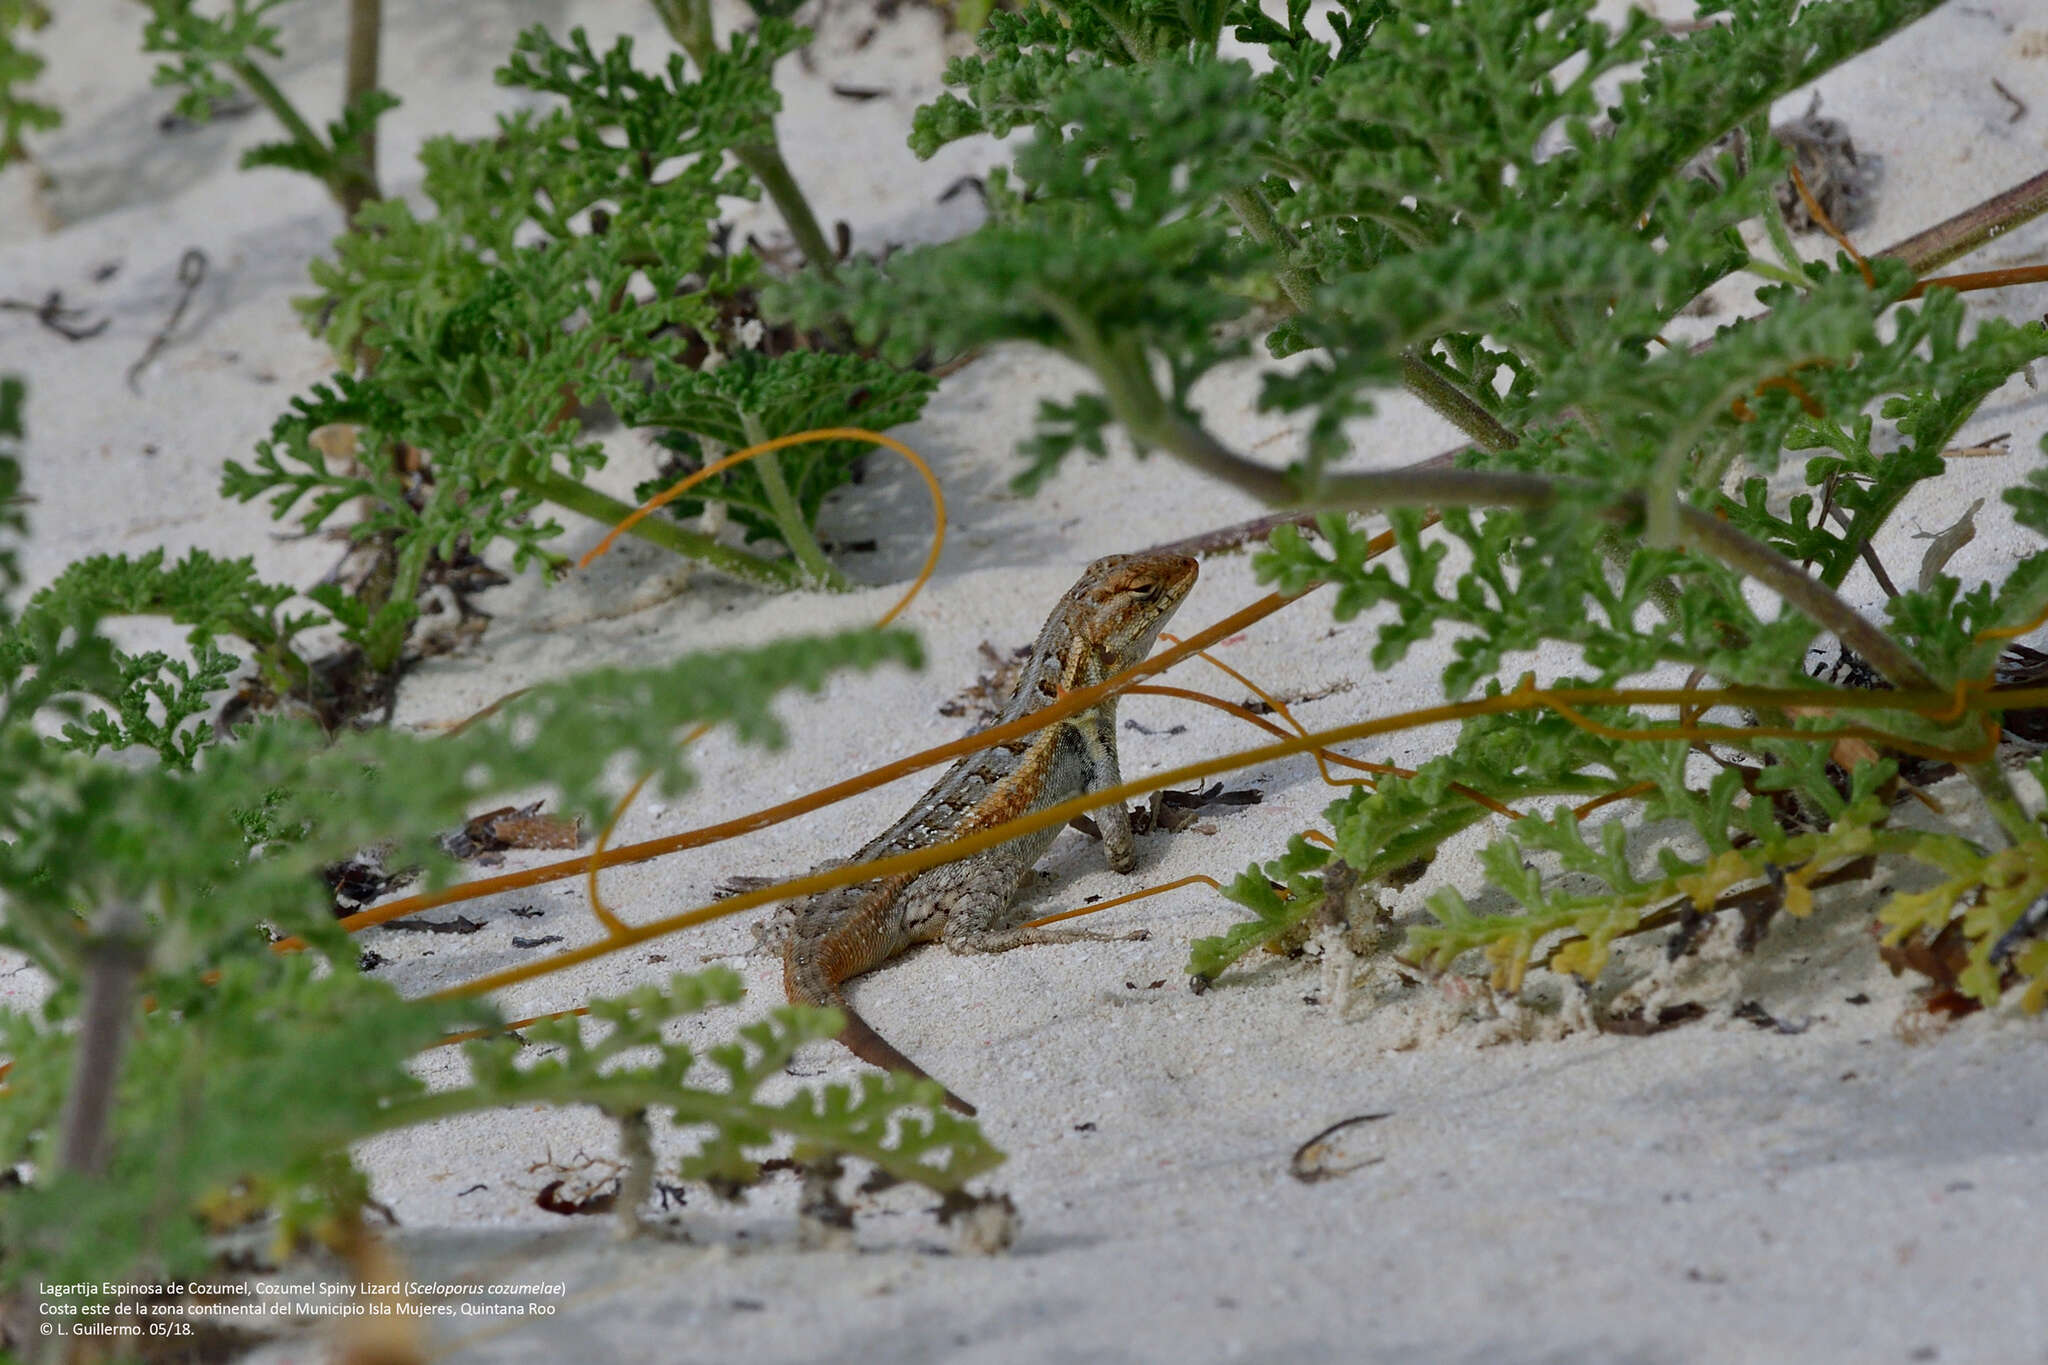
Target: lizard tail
[
  {"x": 870, "y": 1046},
  {"x": 817, "y": 988}
]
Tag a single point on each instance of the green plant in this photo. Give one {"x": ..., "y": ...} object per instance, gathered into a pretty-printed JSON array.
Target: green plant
[
  {"x": 158, "y": 694},
  {"x": 573, "y": 263},
  {"x": 208, "y": 57},
  {"x": 1437, "y": 194},
  {"x": 249, "y": 1071},
  {"x": 18, "y": 67}
]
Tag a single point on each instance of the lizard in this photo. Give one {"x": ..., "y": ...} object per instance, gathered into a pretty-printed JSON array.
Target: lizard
[{"x": 1105, "y": 623}]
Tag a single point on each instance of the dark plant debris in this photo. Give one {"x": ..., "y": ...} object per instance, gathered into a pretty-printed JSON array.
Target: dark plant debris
[
  {"x": 1752, "y": 1012},
  {"x": 1941, "y": 960},
  {"x": 191, "y": 274},
  {"x": 983, "y": 698},
  {"x": 53, "y": 314},
  {"x": 461, "y": 924},
  {"x": 1633, "y": 1023},
  {"x": 1322, "y": 1157},
  {"x": 1261, "y": 708},
  {"x": 595, "y": 1200},
  {"x": 359, "y": 880}
]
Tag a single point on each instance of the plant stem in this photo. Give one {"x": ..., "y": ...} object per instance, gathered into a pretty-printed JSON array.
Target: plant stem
[
  {"x": 586, "y": 501},
  {"x": 1450, "y": 402},
  {"x": 636, "y": 1182},
  {"x": 1257, "y": 216},
  {"x": 689, "y": 23},
  {"x": 789, "y": 517},
  {"x": 1757, "y": 265},
  {"x": 1973, "y": 227},
  {"x": 2004, "y": 803},
  {"x": 358, "y": 180},
  {"x": 1424, "y": 379},
  {"x": 765, "y": 161},
  {"x": 287, "y": 113},
  {"x": 1152, "y": 421},
  {"x": 113, "y": 961},
  {"x": 1781, "y": 240}
]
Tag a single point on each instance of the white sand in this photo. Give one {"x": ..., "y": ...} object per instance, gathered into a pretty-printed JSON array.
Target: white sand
[{"x": 1853, "y": 1192}]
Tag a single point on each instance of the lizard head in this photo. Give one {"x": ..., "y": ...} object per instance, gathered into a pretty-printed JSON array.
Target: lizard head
[{"x": 1123, "y": 602}]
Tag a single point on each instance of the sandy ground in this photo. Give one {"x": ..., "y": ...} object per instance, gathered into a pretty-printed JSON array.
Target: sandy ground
[{"x": 1860, "y": 1189}]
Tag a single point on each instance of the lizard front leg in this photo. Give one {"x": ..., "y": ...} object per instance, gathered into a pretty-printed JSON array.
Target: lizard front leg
[{"x": 1114, "y": 820}]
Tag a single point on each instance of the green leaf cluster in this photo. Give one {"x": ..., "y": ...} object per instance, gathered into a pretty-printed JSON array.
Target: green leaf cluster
[
  {"x": 19, "y": 113},
  {"x": 753, "y": 396},
  {"x": 198, "y": 48},
  {"x": 250, "y": 1072},
  {"x": 243, "y": 1095},
  {"x": 898, "y": 1124},
  {"x": 212, "y": 58},
  {"x": 1509, "y": 206},
  {"x": 573, "y": 267}
]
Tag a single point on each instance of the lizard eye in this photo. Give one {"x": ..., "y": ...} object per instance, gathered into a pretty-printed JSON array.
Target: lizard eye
[{"x": 1147, "y": 593}]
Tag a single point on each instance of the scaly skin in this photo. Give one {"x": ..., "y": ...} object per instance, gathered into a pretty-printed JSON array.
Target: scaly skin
[{"x": 1106, "y": 623}]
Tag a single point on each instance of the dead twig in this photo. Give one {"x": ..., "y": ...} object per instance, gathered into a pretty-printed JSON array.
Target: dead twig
[
  {"x": 52, "y": 313},
  {"x": 2019, "y": 106},
  {"x": 191, "y": 274}
]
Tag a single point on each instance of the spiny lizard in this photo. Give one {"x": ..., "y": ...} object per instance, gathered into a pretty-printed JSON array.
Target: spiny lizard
[{"x": 1106, "y": 623}]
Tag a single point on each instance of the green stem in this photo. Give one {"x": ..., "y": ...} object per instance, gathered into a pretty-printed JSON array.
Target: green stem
[
  {"x": 1757, "y": 265},
  {"x": 1257, "y": 216},
  {"x": 586, "y": 501},
  {"x": 789, "y": 517},
  {"x": 384, "y": 641},
  {"x": 689, "y": 23},
  {"x": 1424, "y": 379},
  {"x": 114, "y": 958},
  {"x": 1992, "y": 784},
  {"x": 1450, "y": 401},
  {"x": 765, "y": 161},
  {"x": 1781, "y": 240},
  {"x": 273, "y": 99},
  {"x": 358, "y": 178},
  {"x": 1866, "y": 521}
]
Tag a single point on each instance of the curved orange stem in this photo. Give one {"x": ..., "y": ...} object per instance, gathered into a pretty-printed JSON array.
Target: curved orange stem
[{"x": 611, "y": 922}]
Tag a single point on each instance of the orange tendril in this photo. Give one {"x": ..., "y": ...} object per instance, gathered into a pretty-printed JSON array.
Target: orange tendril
[
  {"x": 1126, "y": 899},
  {"x": 646, "y": 850},
  {"x": 1524, "y": 698},
  {"x": 1981, "y": 279},
  {"x": 1828, "y": 225},
  {"x": 610, "y": 920},
  {"x": 2032, "y": 624},
  {"x": 1278, "y": 707}
]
